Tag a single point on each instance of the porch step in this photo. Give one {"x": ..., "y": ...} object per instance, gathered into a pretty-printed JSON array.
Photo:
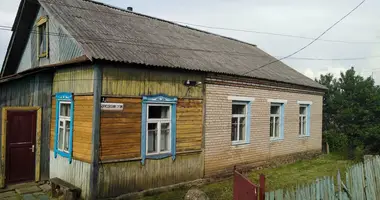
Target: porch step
[{"x": 28, "y": 190}]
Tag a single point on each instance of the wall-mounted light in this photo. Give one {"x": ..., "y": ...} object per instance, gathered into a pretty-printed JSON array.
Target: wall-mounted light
[{"x": 192, "y": 83}]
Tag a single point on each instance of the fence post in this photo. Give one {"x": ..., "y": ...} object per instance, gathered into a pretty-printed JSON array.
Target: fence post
[{"x": 262, "y": 187}]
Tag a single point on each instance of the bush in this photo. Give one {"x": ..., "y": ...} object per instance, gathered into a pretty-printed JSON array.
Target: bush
[{"x": 338, "y": 142}]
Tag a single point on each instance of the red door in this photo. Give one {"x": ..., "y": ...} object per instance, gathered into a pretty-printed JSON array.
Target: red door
[{"x": 20, "y": 146}]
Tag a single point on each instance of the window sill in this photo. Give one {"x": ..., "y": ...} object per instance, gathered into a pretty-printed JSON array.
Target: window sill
[
  {"x": 303, "y": 136},
  {"x": 158, "y": 156},
  {"x": 63, "y": 154},
  {"x": 239, "y": 143},
  {"x": 276, "y": 139}
]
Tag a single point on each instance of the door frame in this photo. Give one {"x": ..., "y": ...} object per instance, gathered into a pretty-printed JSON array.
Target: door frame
[{"x": 4, "y": 140}]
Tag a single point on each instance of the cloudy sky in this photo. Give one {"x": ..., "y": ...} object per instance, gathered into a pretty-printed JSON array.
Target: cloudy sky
[{"x": 306, "y": 18}]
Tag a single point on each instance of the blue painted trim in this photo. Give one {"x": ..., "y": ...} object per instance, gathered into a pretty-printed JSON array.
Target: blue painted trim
[
  {"x": 282, "y": 114},
  {"x": 308, "y": 120},
  {"x": 173, "y": 129},
  {"x": 64, "y": 96},
  {"x": 158, "y": 99},
  {"x": 143, "y": 132},
  {"x": 159, "y": 156},
  {"x": 56, "y": 127},
  {"x": 248, "y": 124}
]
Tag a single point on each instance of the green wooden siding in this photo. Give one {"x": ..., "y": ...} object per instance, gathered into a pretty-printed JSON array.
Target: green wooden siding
[
  {"x": 78, "y": 80},
  {"x": 124, "y": 81}
]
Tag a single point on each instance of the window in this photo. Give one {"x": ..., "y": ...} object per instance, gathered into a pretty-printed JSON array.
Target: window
[
  {"x": 302, "y": 120},
  {"x": 42, "y": 37},
  {"x": 275, "y": 115},
  {"x": 63, "y": 144},
  {"x": 158, "y": 128},
  {"x": 239, "y": 122},
  {"x": 64, "y": 126},
  {"x": 158, "y": 135}
]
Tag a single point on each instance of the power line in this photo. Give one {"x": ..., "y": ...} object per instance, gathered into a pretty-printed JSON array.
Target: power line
[
  {"x": 138, "y": 15},
  {"x": 310, "y": 43},
  {"x": 278, "y": 34},
  {"x": 164, "y": 46}
]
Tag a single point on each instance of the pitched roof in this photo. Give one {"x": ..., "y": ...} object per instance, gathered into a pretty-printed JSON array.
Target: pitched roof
[{"x": 113, "y": 34}]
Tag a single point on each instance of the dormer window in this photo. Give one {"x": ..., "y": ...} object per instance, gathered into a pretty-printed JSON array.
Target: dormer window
[{"x": 42, "y": 37}]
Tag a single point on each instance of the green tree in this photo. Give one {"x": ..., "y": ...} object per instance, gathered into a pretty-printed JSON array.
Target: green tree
[{"x": 352, "y": 107}]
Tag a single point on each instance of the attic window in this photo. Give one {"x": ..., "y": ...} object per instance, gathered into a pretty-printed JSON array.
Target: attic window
[{"x": 42, "y": 37}]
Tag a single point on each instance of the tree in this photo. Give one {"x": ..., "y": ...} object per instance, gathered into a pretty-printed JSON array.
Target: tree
[{"x": 352, "y": 107}]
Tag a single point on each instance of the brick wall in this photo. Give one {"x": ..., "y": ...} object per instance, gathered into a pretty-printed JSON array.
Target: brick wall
[{"x": 221, "y": 155}]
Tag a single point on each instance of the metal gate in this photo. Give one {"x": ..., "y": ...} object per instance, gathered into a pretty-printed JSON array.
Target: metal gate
[{"x": 244, "y": 189}]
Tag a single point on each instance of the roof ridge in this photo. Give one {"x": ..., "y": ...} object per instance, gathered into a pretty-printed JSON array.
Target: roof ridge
[{"x": 167, "y": 21}]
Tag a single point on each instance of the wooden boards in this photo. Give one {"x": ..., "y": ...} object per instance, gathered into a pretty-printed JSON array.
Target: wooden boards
[
  {"x": 120, "y": 132},
  {"x": 82, "y": 127}
]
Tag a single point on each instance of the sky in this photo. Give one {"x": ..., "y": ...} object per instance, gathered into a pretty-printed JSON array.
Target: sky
[{"x": 306, "y": 18}]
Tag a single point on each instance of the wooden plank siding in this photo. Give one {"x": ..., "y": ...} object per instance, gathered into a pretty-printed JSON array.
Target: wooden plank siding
[
  {"x": 130, "y": 81},
  {"x": 120, "y": 132},
  {"x": 78, "y": 80},
  {"x": 189, "y": 124},
  {"x": 124, "y": 177},
  {"x": 82, "y": 132},
  {"x": 34, "y": 90}
]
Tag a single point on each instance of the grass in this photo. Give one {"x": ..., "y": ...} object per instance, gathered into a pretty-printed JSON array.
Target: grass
[{"x": 282, "y": 177}]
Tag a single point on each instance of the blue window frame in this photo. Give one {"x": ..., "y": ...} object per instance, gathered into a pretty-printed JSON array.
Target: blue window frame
[
  {"x": 64, "y": 117},
  {"x": 158, "y": 127},
  {"x": 240, "y": 122}
]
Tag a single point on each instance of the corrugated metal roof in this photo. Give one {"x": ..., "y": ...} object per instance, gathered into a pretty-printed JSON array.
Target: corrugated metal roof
[{"x": 113, "y": 34}]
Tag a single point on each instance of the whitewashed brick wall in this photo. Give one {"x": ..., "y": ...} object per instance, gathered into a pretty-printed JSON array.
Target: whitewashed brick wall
[{"x": 220, "y": 154}]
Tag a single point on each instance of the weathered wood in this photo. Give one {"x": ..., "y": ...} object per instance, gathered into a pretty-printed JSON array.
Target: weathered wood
[
  {"x": 77, "y": 80},
  {"x": 137, "y": 82},
  {"x": 76, "y": 173},
  {"x": 32, "y": 91},
  {"x": 124, "y": 177}
]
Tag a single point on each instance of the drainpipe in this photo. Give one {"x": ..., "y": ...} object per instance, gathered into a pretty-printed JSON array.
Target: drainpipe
[{"x": 94, "y": 170}]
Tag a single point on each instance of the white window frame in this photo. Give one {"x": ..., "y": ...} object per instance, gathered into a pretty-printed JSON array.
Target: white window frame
[
  {"x": 158, "y": 121},
  {"x": 64, "y": 119},
  {"x": 274, "y": 121},
  {"x": 303, "y": 130},
  {"x": 238, "y": 116}
]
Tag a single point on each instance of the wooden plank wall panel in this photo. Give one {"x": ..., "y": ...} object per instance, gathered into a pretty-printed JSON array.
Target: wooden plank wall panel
[
  {"x": 82, "y": 133},
  {"x": 34, "y": 90},
  {"x": 78, "y": 80},
  {"x": 189, "y": 124},
  {"x": 124, "y": 177},
  {"x": 129, "y": 81},
  {"x": 120, "y": 131},
  {"x": 76, "y": 173}
]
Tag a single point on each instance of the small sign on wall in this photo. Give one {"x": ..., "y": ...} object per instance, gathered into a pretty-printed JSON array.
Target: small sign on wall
[{"x": 112, "y": 106}]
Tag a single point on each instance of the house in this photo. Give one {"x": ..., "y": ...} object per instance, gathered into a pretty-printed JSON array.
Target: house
[{"x": 113, "y": 101}]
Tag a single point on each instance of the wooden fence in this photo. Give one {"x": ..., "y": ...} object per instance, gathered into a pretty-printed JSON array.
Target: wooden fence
[{"x": 361, "y": 182}]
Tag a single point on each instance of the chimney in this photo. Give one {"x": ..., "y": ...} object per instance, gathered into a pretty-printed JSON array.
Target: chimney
[{"x": 130, "y": 9}]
